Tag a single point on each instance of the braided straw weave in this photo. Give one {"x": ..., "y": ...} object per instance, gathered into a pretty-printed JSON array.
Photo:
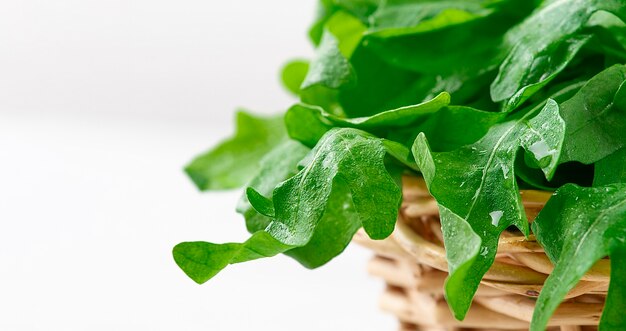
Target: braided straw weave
[{"x": 412, "y": 261}]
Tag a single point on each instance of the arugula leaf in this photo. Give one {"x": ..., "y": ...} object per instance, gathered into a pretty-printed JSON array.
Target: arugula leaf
[
  {"x": 361, "y": 9},
  {"x": 486, "y": 197},
  {"x": 202, "y": 260},
  {"x": 329, "y": 68},
  {"x": 234, "y": 162},
  {"x": 316, "y": 212},
  {"x": 357, "y": 158},
  {"x": 545, "y": 76},
  {"x": 381, "y": 86},
  {"x": 577, "y": 227},
  {"x": 449, "y": 126},
  {"x": 611, "y": 169},
  {"x": 308, "y": 124},
  {"x": 400, "y": 17},
  {"x": 455, "y": 52},
  {"x": 333, "y": 232},
  {"x": 595, "y": 118},
  {"x": 293, "y": 74},
  {"x": 278, "y": 165},
  {"x": 543, "y": 45}
]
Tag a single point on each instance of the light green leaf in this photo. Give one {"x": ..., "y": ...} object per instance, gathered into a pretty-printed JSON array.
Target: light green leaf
[
  {"x": 234, "y": 162},
  {"x": 611, "y": 169},
  {"x": 578, "y": 227},
  {"x": 476, "y": 189}
]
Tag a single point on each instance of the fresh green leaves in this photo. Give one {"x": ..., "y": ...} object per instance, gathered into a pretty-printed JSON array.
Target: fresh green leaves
[
  {"x": 344, "y": 185},
  {"x": 486, "y": 197},
  {"x": 611, "y": 169},
  {"x": 233, "y": 163},
  {"x": 578, "y": 227},
  {"x": 455, "y": 90}
]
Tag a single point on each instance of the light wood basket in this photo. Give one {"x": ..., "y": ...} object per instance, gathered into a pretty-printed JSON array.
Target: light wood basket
[{"x": 412, "y": 261}]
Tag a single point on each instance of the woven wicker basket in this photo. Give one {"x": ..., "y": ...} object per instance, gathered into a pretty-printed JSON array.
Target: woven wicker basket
[{"x": 412, "y": 261}]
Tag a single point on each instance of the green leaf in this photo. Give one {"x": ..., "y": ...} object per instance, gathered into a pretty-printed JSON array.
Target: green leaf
[
  {"x": 308, "y": 124},
  {"x": 293, "y": 75},
  {"x": 476, "y": 190},
  {"x": 278, "y": 165},
  {"x": 615, "y": 306},
  {"x": 381, "y": 86},
  {"x": 611, "y": 169},
  {"x": 329, "y": 68},
  {"x": 543, "y": 45},
  {"x": 202, "y": 260},
  {"x": 358, "y": 159},
  {"x": 578, "y": 227},
  {"x": 596, "y": 118},
  {"x": 234, "y": 162},
  {"x": 348, "y": 30},
  {"x": 401, "y": 17},
  {"x": 450, "y": 35},
  {"x": 453, "y": 127},
  {"x": 316, "y": 212},
  {"x": 333, "y": 232}
]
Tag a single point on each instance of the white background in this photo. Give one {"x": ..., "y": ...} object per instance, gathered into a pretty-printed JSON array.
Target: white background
[{"x": 101, "y": 105}]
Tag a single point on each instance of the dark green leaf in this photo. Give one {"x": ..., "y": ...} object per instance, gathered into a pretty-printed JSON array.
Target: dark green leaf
[
  {"x": 401, "y": 17},
  {"x": 611, "y": 169},
  {"x": 477, "y": 192},
  {"x": 344, "y": 185},
  {"x": 578, "y": 227},
  {"x": 334, "y": 231},
  {"x": 308, "y": 124},
  {"x": 596, "y": 118},
  {"x": 357, "y": 158},
  {"x": 543, "y": 45}
]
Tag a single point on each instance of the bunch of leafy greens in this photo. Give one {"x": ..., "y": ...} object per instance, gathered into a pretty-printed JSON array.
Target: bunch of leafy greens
[{"x": 481, "y": 98}]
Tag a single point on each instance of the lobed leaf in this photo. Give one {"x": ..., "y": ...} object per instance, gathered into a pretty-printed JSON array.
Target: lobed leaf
[
  {"x": 542, "y": 46},
  {"x": 578, "y": 227},
  {"x": 477, "y": 192}
]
